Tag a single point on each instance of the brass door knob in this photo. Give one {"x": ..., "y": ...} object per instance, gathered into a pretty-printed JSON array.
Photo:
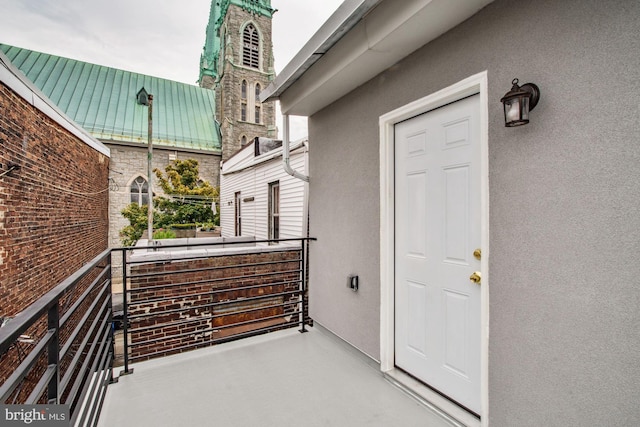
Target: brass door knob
[
  {"x": 477, "y": 253},
  {"x": 476, "y": 277}
]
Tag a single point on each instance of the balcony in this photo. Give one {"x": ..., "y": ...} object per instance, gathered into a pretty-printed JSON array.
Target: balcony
[
  {"x": 210, "y": 337},
  {"x": 283, "y": 378}
]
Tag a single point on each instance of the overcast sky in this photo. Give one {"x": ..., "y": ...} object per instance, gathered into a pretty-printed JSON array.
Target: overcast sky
[{"x": 163, "y": 38}]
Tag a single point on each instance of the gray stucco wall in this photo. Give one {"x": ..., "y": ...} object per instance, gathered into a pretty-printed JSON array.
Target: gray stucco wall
[{"x": 564, "y": 345}]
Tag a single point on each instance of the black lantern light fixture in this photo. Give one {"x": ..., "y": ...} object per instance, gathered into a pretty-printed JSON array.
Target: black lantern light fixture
[
  {"x": 518, "y": 102},
  {"x": 142, "y": 97}
]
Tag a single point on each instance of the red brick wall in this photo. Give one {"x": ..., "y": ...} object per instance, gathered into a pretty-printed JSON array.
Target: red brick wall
[
  {"x": 184, "y": 317},
  {"x": 53, "y": 209}
]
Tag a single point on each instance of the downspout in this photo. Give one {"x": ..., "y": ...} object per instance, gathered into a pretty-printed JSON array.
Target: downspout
[
  {"x": 288, "y": 169},
  {"x": 285, "y": 151}
]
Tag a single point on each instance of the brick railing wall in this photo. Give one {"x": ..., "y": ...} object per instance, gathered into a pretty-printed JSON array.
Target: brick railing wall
[{"x": 171, "y": 303}]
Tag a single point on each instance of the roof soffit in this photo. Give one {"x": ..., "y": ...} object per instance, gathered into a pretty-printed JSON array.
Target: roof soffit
[{"x": 389, "y": 32}]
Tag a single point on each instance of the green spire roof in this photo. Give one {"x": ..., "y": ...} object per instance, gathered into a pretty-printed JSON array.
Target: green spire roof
[
  {"x": 211, "y": 52},
  {"x": 103, "y": 101}
]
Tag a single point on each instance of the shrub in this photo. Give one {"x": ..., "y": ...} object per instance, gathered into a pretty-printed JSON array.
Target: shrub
[
  {"x": 164, "y": 234},
  {"x": 137, "y": 216},
  {"x": 207, "y": 226},
  {"x": 189, "y": 226}
]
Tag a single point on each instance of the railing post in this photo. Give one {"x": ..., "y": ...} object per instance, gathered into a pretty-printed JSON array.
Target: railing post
[
  {"x": 111, "y": 324},
  {"x": 125, "y": 315},
  {"x": 53, "y": 352},
  {"x": 303, "y": 285}
]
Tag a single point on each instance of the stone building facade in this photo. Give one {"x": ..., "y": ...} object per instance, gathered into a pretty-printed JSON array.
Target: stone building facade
[{"x": 238, "y": 64}]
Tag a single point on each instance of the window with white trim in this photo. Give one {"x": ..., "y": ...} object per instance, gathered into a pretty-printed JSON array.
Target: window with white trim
[
  {"x": 274, "y": 210},
  {"x": 238, "y": 214}
]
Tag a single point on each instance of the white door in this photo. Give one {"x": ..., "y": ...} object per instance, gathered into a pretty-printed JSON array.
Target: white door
[{"x": 437, "y": 217}]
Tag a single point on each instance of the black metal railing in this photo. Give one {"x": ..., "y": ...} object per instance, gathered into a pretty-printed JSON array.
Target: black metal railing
[
  {"x": 59, "y": 350},
  {"x": 178, "y": 301}
]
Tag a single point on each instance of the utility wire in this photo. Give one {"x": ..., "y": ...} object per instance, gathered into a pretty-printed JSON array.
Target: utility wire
[{"x": 190, "y": 196}]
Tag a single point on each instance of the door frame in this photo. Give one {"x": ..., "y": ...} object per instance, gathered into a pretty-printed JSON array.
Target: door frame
[{"x": 476, "y": 84}]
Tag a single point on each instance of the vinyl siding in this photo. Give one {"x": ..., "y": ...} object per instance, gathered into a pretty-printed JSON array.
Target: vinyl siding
[{"x": 243, "y": 173}]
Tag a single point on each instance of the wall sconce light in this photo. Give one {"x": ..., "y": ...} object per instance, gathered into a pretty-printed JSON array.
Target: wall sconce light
[{"x": 518, "y": 102}]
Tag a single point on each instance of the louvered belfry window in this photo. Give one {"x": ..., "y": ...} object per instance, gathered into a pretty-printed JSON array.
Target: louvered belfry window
[{"x": 251, "y": 47}]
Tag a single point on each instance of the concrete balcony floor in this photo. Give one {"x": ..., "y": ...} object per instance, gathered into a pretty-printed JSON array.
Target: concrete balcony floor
[{"x": 283, "y": 378}]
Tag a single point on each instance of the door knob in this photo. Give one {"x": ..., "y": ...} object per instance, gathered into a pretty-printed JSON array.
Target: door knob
[
  {"x": 477, "y": 253},
  {"x": 475, "y": 277}
]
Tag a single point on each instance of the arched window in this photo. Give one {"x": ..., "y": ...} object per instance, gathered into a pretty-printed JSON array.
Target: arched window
[
  {"x": 243, "y": 112},
  {"x": 251, "y": 47},
  {"x": 243, "y": 141},
  {"x": 256, "y": 112},
  {"x": 243, "y": 101},
  {"x": 140, "y": 191}
]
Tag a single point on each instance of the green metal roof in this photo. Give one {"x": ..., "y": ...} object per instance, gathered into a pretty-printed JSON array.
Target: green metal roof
[{"x": 103, "y": 101}]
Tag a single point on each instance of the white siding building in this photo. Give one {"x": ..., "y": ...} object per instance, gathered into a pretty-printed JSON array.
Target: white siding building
[{"x": 258, "y": 198}]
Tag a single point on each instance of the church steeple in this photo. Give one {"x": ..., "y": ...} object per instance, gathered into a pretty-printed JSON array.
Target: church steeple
[
  {"x": 210, "y": 58},
  {"x": 237, "y": 62},
  {"x": 211, "y": 50}
]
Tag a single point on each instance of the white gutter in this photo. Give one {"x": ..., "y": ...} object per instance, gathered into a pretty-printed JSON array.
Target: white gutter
[
  {"x": 305, "y": 178},
  {"x": 262, "y": 158},
  {"x": 285, "y": 151}
]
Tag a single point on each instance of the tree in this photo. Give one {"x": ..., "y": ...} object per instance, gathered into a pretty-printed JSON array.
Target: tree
[
  {"x": 137, "y": 216},
  {"x": 189, "y": 198}
]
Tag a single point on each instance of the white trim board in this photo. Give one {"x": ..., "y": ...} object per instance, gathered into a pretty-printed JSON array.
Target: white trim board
[{"x": 477, "y": 83}]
